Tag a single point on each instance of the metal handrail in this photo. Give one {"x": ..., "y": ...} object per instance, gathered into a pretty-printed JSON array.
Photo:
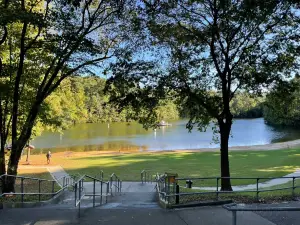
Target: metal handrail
[
  {"x": 160, "y": 186},
  {"x": 22, "y": 193},
  {"x": 234, "y": 208},
  {"x": 236, "y": 178},
  {"x": 30, "y": 178},
  {"x": 79, "y": 187},
  {"x": 164, "y": 192},
  {"x": 116, "y": 182},
  {"x": 101, "y": 174},
  {"x": 146, "y": 176}
]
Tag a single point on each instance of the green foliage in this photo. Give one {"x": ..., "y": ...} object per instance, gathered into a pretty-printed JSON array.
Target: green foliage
[
  {"x": 42, "y": 43},
  {"x": 282, "y": 104},
  {"x": 206, "y": 51},
  {"x": 82, "y": 100},
  {"x": 245, "y": 105}
]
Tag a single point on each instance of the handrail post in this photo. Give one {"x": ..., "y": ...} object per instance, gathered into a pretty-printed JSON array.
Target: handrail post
[
  {"x": 293, "y": 193},
  {"x": 94, "y": 192},
  {"x": 79, "y": 198},
  {"x": 177, "y": 194},
  {"x": 101, "y": 193},
  {"x": 22, "y": 189},
  {"x": 107, "y": 191},
  {"x": 257, "y": 197},
  {"x": 53, "y": 183},
  {"x": 40, "y": 190},
  {"x": 217, "y": 188},
  {"x": 76, "y": 193},
  {"x": 233, "y": 217}
]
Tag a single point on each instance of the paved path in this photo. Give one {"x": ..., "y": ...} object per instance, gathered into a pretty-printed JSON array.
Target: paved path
[
  {"x": 131, "y": 216},
  {"x": 270, "y": 183},
  {"x": 57, "y": 172}
]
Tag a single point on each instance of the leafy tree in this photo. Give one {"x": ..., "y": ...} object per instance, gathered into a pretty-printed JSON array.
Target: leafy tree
[
  {"x": 208, "y": 50},
  {"x": 47, "y": 42},
  {"x": 281, "y": 107},
  {"x": 245, "y": 105}
]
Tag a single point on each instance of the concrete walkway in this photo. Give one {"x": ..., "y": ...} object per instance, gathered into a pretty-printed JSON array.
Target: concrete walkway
[
  {"x": 267, "y": 184},
  {"x": 133, "y": 195},
  {"x": 131, "y": 216},
  {"x": 57, "y": 172}
]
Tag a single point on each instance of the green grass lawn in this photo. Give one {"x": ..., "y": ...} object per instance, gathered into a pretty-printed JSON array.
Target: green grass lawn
[
  {"x": 187, "y": 164},
  {"x": 32, "y": 186}
]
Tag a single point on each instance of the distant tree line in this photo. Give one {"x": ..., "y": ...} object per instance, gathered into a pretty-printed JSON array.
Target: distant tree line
[{"x": 83, "y": 100}]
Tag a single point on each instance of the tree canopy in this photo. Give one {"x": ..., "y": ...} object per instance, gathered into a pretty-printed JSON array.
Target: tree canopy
[
  {"x": 210, "y": 49},
  {"x": 200, "y": 55},
  {"x": 42, "y": 44},
  {"x": 281, "y": 107}
]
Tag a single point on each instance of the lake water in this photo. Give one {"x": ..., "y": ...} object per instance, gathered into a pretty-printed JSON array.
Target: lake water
[{"x": 132, "y": 137}]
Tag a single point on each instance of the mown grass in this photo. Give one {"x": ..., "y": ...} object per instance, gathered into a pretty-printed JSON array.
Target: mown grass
[
  {"x": 187, "y": 164},
  {"x": 128, "y": 167},
  {"x": 32, "y": 186}
]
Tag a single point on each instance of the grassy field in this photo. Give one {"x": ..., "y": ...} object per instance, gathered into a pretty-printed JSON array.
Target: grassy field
[
  {"x": 186, "y": 164},
  {"x": 32, "y": 186}
]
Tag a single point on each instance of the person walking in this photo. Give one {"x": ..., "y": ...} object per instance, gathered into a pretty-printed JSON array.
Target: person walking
[{"x": 48, "y": 155}]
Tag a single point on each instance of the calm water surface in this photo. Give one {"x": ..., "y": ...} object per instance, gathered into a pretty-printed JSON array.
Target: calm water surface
[{"x": 132, "y": 137}]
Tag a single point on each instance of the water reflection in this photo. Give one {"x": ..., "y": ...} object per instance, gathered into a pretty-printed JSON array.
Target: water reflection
[{"x": 132, "y": 137}]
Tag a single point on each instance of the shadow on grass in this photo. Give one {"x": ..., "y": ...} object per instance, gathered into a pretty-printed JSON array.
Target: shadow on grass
[{"x": 187, "y": 164}]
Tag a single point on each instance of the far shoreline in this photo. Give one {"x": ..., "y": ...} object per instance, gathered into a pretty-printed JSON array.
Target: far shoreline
[{"x": 266, "y": 147}]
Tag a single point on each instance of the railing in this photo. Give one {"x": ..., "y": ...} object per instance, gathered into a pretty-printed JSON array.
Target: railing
[
  {"x": 21, "y": 184},
  {"x": 101, "y": 175},
  {"x": 146, "y": 176},
  {"x": 234, "y": 208},
  {"x": 115, "y": 183},
  {"x": 80, "y": 191},
  {"x": 161, "y": 186},
  {"x": 169, "y": 190}
]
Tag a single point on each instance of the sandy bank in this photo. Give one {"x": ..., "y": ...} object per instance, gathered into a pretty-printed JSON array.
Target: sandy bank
[{"x": 267, "y": 147}]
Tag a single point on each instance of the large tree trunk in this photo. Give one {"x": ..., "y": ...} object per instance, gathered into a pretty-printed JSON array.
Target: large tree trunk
[
  {"x": 2, "y": 157},
  {"x": 18, "y": 146},
  {"x": 225, "y": 127},
  {"x": 2, "y": 166},
  {"x": 12, "y": 168}
]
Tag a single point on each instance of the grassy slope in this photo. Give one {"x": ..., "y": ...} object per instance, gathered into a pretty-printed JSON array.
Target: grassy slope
[
  {"x": 32, "y": 186},
  {"x": 129, "y": 166}
]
